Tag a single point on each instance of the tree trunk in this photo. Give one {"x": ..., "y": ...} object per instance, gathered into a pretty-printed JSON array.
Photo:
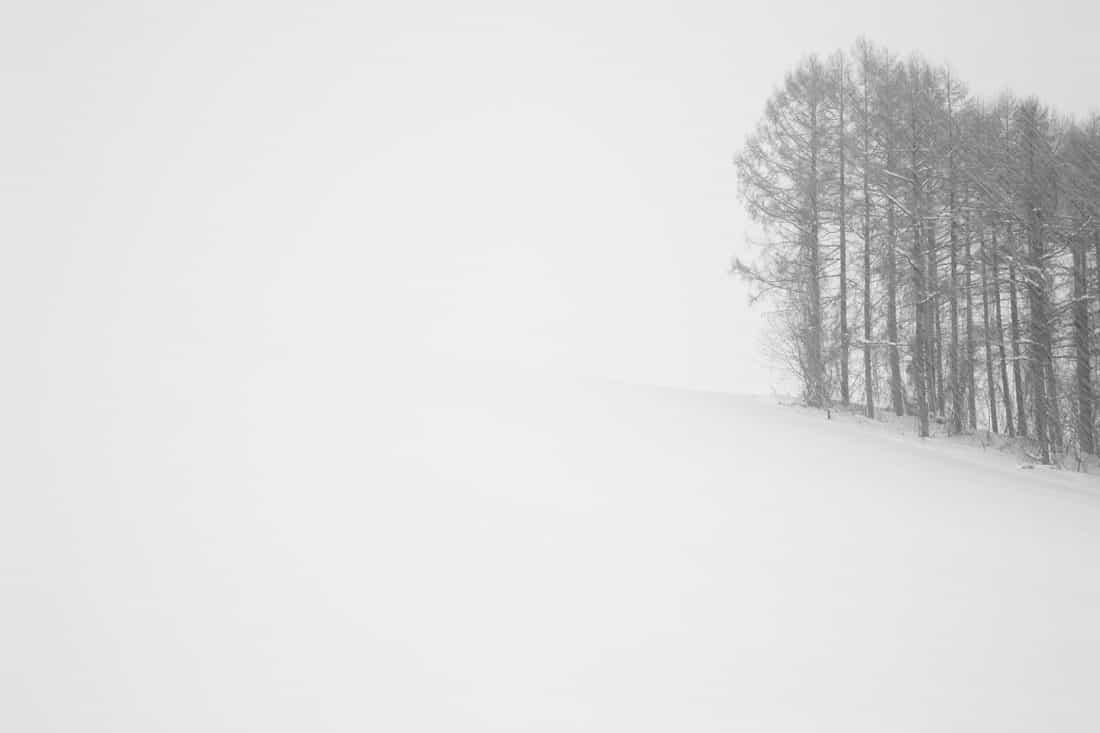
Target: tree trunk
[
  {"x": 1036, "y": 328},
  {"x": 1006, "y": 396},
  {"x": 1054, "y": 407},
  {"x": 816, "y": 363},
  {"x": 920, "y": 296},
  {"x": 1035, "y": 279},
  {"x": 868, "y": 377},
  {"x": 968, "y": 372},
  {"x": 844, "y": 396},
  {"x": 935, "y": 326},
  {"x": 954, "y": 382},
  {"x": 1096, "y": 248},
  {"x": 1017, "y": 377},
  {"x": 990, "y": 384},
  {"x": 897, "y": 396}
]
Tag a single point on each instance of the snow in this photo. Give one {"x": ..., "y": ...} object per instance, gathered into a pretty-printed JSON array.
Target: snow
[{"x": 501, "y": 552}]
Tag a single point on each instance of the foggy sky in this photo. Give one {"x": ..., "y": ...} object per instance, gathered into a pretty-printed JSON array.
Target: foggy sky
[
  {"x": 238, "y": 236},
  {"x": 376, "y": 184}
]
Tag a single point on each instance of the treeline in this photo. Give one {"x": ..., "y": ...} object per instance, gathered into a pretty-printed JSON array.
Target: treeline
[{"x": 929, "y": 250}]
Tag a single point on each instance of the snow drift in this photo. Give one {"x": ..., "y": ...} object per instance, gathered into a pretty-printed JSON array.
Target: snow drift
[{"x": 520, "y": 554}]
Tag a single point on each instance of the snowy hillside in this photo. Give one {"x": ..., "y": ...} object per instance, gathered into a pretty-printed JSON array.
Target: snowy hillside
[{"x": 511, "y": 555}]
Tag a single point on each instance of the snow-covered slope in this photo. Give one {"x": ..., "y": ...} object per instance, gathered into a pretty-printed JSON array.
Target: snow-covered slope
[{"x": 494, "y": 554}]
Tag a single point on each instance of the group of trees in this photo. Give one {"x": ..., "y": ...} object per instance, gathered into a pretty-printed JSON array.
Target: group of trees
[{"x": 929, "y": 250}]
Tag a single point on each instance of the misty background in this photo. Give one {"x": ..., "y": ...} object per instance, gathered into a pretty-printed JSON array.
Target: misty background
[
  {"x": 549, "y": 187},
  {"x": 238, "y": 236}
]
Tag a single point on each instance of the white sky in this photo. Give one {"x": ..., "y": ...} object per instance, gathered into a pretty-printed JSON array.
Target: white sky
[
  {"x": 236, "y": 239},
  {"x": 547, "y": 184}
]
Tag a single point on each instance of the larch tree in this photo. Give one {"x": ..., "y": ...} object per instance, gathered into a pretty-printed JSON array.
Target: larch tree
[{"x": 977, "y": 272}]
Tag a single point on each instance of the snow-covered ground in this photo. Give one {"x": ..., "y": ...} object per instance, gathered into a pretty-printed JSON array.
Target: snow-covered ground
[{"x": 515, "y": 553}]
